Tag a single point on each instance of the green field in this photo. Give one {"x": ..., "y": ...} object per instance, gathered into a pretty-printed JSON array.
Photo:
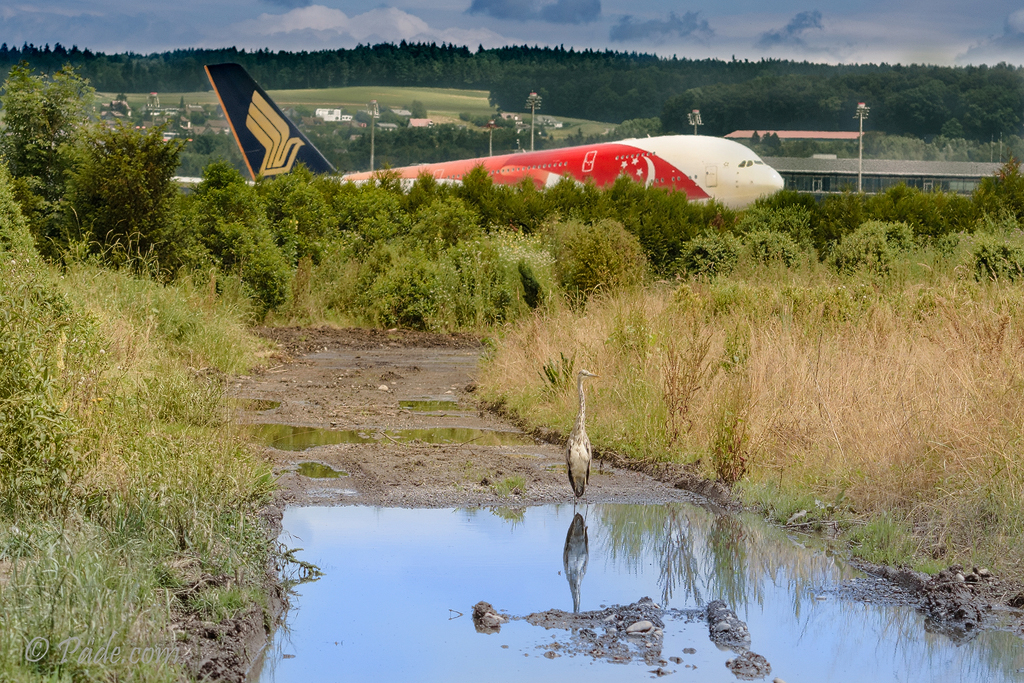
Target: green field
[{"x": 443, "y": 104}]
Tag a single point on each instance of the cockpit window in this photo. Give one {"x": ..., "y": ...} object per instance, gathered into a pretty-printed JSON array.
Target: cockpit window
[{"x": 759, "y": 162}]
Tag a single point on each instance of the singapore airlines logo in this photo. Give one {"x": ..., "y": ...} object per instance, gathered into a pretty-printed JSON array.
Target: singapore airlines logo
[{"x": 271, "y": 129}]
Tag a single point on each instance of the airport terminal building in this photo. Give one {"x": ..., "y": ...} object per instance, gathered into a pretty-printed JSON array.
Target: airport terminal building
[{"x": 823, "y": 176}]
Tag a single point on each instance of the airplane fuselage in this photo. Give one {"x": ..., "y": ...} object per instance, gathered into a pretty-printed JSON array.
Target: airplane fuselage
[{"x": 698, "y": 165}]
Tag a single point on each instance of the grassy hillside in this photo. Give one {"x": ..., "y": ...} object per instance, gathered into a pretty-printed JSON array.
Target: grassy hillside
[{"x": 443, "y": 104}]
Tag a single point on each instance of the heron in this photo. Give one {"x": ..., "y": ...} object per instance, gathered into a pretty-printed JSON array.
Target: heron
[{"x": 577, "y": 451}]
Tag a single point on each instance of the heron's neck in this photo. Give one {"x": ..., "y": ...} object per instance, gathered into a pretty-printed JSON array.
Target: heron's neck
[{"x": 581, "y": 416}]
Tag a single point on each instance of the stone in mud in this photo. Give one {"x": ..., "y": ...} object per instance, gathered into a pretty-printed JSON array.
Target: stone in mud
[
  {"x": 749, "y": 666},
  {"x": 725, "y": 627},
  {"x": 602, "y": 634},
  {"x": 949, "y": 600},
  {"x": 1016, "y": 601},
  {"x": 640, "y": 627},
  {"x": 486, "y": 619}
]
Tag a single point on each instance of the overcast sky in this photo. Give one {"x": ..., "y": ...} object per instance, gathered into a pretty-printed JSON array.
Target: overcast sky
[{"x": 919, "y": 31}]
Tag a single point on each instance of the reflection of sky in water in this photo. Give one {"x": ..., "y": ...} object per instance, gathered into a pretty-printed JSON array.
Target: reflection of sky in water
[{"x": 391, "y": 576}]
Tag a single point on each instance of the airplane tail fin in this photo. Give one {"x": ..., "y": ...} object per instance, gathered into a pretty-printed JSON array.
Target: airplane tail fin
[{"x": 270, "y": 143}]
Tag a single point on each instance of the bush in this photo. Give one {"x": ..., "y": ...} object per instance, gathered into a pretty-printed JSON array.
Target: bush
[
  {"x": 597, "y": 256},
  {"x": 875, "y": 245},
  {"x": 444, "y": 223},
  {"x": 122, "y": 194},
  {"x": 226, "y": 218},
  {"x": 709, "y": 256},
  {"x": 766, "y": 246},
  {"x": 300, "y": 217},
  {"x": 793, "y": 221},
  {"x": 15, "y": 237},
  {"x": 998, "y": 257}
]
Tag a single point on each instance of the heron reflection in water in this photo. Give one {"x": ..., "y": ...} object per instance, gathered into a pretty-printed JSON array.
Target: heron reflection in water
[{"x": 575, "y": 556}]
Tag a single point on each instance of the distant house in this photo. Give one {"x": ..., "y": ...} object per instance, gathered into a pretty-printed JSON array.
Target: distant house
[
  {"x": 549, "y": 121},
  {"x": 330, "y": 115},
  {"x": 345, "y": 118},
  {"x": 420, "y": 123},
  {"x": 506, "y": 115},
  {"x": 401, "y": 112},
  {"x": 387, "y": 126},
  {"x": 218, "y": 126}
]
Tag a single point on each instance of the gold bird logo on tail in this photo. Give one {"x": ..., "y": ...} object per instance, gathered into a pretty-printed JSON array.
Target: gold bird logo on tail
[{"x": 272, "y": 130}]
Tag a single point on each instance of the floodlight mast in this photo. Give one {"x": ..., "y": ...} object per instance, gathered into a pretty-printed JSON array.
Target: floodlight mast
[
  {"x": 695, "y": 121},
  {"x": 490, "y": 137},
  {"x": 374, "y": 111},
  {"x": 533, "y": 102},
  {"x": 862, "y": 113}
]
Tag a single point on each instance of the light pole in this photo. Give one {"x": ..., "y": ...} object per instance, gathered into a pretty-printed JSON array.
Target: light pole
[
  {"x": 533, "y": 102},
  {"x": 374, "y": 112},
  {"x": 490, "y": 137},
  {"x": 695, "y": 121},
  {"x": 862, "y": 113}
]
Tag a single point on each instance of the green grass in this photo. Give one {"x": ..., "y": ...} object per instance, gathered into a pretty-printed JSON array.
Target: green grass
[
  {"x": 510, "y": 485},
  {"x": 151, "y": 485}
]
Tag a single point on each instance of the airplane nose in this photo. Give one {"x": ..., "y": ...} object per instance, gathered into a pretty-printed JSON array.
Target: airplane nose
[{"x": 775, "y": 181}]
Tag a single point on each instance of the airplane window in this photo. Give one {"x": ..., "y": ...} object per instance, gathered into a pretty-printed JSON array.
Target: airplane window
[{"x": 759, "y": 162}]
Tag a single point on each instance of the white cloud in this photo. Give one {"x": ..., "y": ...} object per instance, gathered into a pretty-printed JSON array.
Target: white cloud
[
  {"x": 319, "y": 27},
  {"x": 1008, "y": 47}
]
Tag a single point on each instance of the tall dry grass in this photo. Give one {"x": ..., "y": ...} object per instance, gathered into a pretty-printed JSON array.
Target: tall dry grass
[{"x": 897, "y": 396}]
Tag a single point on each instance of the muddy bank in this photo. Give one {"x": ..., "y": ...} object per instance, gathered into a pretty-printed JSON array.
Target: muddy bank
[
  {"x": 399, "y": 419},
  {"x": 226, "y": 650}
]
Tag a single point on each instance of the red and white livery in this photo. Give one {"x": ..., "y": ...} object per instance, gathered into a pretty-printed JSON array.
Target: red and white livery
[{"x": 698, "y": 165}]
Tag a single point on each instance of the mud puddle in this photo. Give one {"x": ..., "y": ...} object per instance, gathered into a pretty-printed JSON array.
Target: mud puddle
[
  {"x": 296, "y": 438},
  {"x": 316, "y": 470},
  {"x": 397, "y": 598}
]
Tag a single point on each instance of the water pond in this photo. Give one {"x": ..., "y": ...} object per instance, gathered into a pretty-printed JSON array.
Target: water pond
[{"x": 397, "y": 580}]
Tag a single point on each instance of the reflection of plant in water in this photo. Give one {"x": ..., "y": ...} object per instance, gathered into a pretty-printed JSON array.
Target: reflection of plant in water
[
  {"x": 515, "y": 516},
  {"x": 709, "y": 556}
]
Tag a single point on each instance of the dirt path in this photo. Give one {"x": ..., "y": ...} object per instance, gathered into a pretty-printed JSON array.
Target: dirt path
[{"x": 354, "y": 381}]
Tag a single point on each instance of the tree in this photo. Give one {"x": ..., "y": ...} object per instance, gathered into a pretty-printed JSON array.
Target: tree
[
  {"x": 418, "y": 110},
  {"x": 122, "y": 193},
  {"x": 46, "y": 120}
]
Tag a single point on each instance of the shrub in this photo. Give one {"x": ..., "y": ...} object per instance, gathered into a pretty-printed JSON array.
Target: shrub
[
  {"x": 122, "y": 193},
  {"x": 14, "y": 234},
  {"x": 793, "y": 221},
  {"x": 399, "y": 288},
  {"x": 225, "y": 217},
  {"x": 767, "y": 246},
  {"x": 597, "y": 256},
  {"x": 875, "y": 245},
  {"x": 998, "y": 257},
  {"x": 445, "y": 222},
  {"x": 300, "y": 217},
  {"x": 709, "y": 255}
]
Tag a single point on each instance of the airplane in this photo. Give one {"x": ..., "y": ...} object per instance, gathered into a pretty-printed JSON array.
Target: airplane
[{"x": 701, "y": 166}]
